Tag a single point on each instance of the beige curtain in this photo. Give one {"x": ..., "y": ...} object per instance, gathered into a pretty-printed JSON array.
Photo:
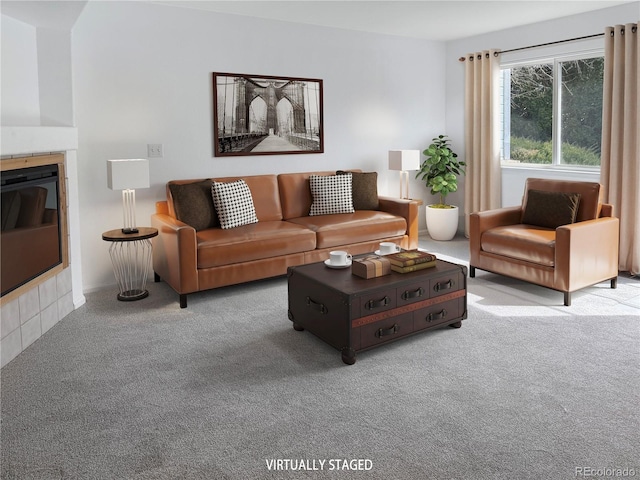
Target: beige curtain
[
  {"x": 620, "y": 164},
  {"x": 482, "y": 185}
]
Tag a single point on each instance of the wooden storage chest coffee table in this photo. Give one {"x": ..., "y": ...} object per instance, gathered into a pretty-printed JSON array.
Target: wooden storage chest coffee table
[{"x": 354, "y": 314}]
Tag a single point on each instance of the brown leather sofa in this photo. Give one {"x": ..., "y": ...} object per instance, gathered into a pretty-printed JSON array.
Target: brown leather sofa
[
  {"x": 285, "y": 235},
  {"x": 566, "y": 258}
]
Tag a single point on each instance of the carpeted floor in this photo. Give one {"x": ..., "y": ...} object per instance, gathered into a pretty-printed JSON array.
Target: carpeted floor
[{"x": 226, "y": 389}]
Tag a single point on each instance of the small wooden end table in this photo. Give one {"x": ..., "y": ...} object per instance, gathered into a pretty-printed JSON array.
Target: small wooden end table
[{"x": 130, "y": 256}]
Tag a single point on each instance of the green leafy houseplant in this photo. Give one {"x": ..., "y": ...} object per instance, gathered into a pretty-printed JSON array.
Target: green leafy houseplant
[{"x": 440, "y": 169}]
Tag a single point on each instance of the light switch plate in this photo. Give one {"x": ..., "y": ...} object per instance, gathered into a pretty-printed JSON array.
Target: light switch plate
[{"x": 154, "y": 150}]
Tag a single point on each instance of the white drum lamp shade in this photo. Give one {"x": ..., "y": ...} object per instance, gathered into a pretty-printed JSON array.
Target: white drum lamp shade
[
  {"x": 404, "y": 161},
  {"x": 128, "y": 175}
]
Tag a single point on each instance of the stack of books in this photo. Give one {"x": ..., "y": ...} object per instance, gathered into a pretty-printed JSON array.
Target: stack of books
[{"x": 411, "y": 260}]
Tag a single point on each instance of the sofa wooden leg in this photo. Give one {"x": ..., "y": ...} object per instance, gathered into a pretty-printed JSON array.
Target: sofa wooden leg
[
  {"x": 614, "y": 282},
  {"x": 472, "y": 271},
  {"x": 567, "y": 299},
  {"x": 183, "y": 300}
]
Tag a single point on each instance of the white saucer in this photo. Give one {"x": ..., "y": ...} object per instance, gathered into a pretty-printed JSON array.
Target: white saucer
[
  {"x": 380, "y": 254},
  {"x": 328, "y": 263}
]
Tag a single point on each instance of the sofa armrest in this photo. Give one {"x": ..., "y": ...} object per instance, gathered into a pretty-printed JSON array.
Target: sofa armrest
[
  {"x": 496, "y": 218},
  {"x": 162, "y": 206},
  {"x": 606, "y": 210},
  {"x": 480, "y": 222},
  {"x": 406, "y": 208},
  {"x": 587, "y": 252},
  {"x": 175, "y": 254}
]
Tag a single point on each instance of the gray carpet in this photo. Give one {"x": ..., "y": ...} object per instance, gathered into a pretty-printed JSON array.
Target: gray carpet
[{"x": 526, "y": 389}]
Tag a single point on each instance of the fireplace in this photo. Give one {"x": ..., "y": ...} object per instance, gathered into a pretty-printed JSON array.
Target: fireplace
[
  {"x": 33, "y": 220},
  {"x": 31, "y": 309}
]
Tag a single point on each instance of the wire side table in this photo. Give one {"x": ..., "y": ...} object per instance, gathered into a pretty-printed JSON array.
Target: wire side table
[{"x": 131, "y": 255}]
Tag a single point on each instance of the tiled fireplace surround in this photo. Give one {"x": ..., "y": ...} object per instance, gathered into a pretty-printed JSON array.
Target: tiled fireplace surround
[
  {"x": 28, "y": 317},
  {"x": 24, "y": 319}
]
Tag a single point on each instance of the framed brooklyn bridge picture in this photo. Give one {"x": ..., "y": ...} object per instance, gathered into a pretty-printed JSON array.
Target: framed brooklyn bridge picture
[{"x": 266, "y": 115}]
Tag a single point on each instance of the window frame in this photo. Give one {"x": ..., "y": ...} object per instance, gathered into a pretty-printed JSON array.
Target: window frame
[{"x": 556, "y": 124}]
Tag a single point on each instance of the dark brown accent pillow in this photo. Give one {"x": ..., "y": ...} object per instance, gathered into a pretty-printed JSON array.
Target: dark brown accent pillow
[
  {"x": 550, "y": 209},
  {"x": 364, "y": 190},
  {"x": 193, "y": 204}
]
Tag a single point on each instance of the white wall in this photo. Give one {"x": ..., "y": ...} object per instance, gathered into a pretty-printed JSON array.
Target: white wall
[
  {"x": 54, "y": 73},
  {"x": 534, "y": 34},
  {"x": 19, "y": 67},
  {"x": 142, "y": 74}
]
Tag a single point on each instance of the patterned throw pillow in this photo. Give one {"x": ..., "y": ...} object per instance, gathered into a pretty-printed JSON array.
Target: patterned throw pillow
[
  {"x": 331, "y": 194},
  {"x": 550, "y": 209},
  {"x": 234, "y": 203}
]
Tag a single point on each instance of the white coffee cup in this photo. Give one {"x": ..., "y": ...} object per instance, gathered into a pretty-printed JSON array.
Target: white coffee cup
[
  {"x": 339, "y": 257},
  {"x": 388, "y": 247}
]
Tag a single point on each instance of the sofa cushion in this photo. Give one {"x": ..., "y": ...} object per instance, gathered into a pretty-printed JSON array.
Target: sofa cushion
[
  {"x": 234, "y": 204},
  {"x": 347, "y": 228},
  {"x": 331, "y": 194},
  {"x": 550, "y": 209},
  {"x": 193, "y": 204},
  {"x": 523, "y": 242},
  {"x": 256, "y": 241},
  {"x": 295, "y": 194},
  {"x": 364, "y": 190},
  {"x": 265, "y": 195}
]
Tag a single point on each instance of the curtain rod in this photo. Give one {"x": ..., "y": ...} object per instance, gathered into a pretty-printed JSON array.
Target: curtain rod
[{"x": 462, "y": 59}]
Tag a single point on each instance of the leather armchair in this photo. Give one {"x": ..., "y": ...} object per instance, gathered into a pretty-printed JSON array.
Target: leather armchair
[{"x": 566, "y": 258}]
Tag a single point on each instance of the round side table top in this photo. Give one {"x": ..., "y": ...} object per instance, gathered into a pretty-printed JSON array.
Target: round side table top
[{"x": 117, "y": 235}]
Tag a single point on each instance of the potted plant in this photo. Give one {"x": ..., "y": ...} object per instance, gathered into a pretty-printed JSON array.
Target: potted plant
[{"x": 440, "y": 171}]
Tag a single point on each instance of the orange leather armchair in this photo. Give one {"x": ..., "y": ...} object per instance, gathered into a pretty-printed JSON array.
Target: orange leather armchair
[{"x": 566, "y": 258}]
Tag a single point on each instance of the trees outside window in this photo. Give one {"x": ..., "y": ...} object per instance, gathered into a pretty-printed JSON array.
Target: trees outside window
[{"x": 552, "y": 112}]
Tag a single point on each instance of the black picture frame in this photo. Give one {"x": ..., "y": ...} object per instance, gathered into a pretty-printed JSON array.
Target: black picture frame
[{"x": 266, "y": 115}]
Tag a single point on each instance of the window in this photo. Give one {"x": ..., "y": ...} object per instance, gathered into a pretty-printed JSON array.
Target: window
[{"x": 552, "y": 112}]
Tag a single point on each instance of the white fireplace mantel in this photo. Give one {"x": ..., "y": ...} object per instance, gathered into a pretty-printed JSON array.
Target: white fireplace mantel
[{"x": 37, "y": 139}]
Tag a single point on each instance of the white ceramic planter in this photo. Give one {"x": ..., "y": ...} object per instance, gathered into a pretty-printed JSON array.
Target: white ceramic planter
[{"x": 442, "y": 223}]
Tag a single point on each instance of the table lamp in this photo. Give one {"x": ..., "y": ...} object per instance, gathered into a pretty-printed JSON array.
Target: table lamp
[
  {"x": 127, "y": 175},
  {"x": 404, "y": 160}
]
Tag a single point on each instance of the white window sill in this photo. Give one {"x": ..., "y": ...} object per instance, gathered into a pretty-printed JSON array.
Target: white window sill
[{"x": 561, "y": 169}]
